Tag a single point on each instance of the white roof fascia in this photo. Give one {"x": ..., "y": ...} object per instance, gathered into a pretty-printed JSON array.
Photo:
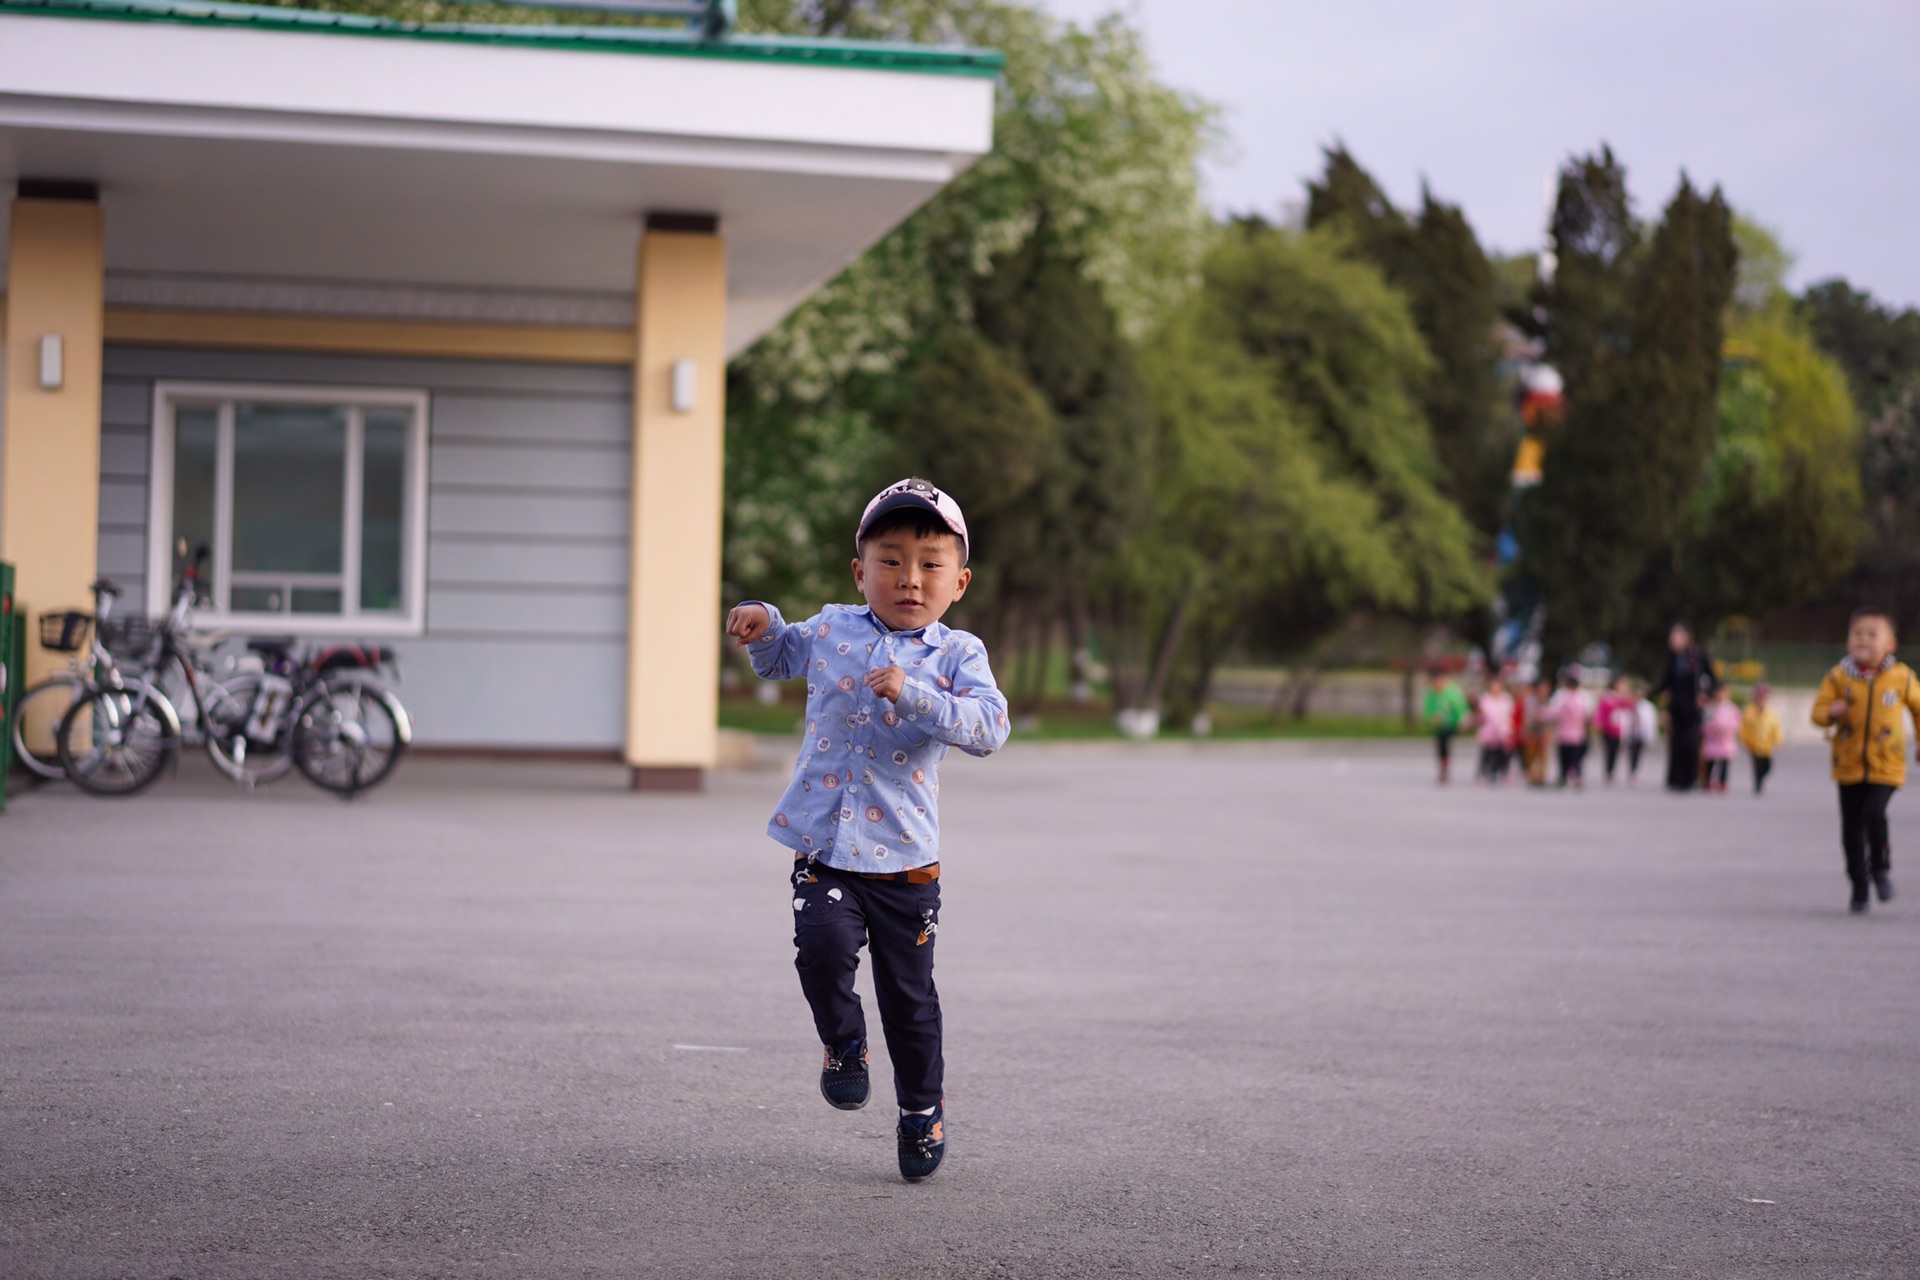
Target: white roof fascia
[
  {"x": 82, "y": 116},
  {"x": 411, "y": 92}
]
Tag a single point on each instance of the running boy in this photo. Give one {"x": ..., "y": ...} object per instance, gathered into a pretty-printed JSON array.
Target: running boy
[
  {"x": 889, "y": 689},
  {"x": 1865, "y": 699}
]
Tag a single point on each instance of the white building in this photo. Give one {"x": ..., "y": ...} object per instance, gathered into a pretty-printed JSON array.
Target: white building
[{"x": 423, "y": 330}]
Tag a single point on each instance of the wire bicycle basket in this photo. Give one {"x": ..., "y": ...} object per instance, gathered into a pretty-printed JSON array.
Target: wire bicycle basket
[
  {"x": 65, "y": 631},
  {"x": 129, "y": 636}
]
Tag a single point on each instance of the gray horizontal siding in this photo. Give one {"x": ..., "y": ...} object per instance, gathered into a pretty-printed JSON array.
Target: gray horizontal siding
[
  {"x": 602, "y": 469},
  {"x": 126, "y": 401},
  {"x": 125, "y": 452},
  {"x": 123, "y": 557},
  {"x": 504, "y": 512},
  {"x": 126, "y": 410},
  {"x": 529, "y": 471},
  {"x": 505, "y": 562},
  {"x": 546, "y": 418},
  {"x": 508, "y": 691},
  {"x": 599, "y": 614},
  {"x": 123, "y": 504}
]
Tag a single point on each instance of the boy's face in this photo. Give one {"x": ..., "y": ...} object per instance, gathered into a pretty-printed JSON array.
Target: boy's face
[
  {"x": 1762, "y": 696},
  {"x": 910, "y": 581},
  {"x": 1870, "y": 640}
]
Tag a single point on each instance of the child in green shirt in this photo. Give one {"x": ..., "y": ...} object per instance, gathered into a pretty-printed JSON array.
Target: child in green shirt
[{"x": 1446, "y": 711}]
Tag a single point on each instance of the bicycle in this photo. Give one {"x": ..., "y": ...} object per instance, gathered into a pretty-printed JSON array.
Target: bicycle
[
  {"x": 328, "y": 713},
  {"x": 68, "y": 631},
  {"x": 323, "y": 714},
  {"x": 117, "y": 739}
]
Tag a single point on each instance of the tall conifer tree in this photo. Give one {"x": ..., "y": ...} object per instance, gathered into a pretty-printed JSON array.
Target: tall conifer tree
[{"x": 1636, "y": 331}]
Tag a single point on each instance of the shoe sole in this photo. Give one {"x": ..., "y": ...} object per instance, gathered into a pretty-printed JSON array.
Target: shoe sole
[{"x": 844, "y": 1106}]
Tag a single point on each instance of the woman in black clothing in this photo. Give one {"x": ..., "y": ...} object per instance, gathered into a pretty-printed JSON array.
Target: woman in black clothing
[{"x": 1688, "y": 681}]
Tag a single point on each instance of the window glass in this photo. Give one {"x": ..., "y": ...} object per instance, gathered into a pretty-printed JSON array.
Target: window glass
[
  {"x": 316, "y": 599},
  {"x": 258, "y": 599},
  {"x": 304, "y": 501},
  {"x": 196, "y": 439},
  {"x": 289, "y": 478},
  {"x": 383, "y": 495}
]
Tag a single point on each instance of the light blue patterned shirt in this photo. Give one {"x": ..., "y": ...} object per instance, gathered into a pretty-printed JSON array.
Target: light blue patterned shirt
[{"x": 865, "y": 794}]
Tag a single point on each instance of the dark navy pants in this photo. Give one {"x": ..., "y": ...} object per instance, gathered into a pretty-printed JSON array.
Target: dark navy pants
[
  {"x": 1863, "y": 831},
  {"x": 835, "y": 913}
]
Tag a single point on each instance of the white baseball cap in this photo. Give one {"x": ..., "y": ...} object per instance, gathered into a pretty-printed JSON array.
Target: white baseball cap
[{"x": 915, "y": 492}]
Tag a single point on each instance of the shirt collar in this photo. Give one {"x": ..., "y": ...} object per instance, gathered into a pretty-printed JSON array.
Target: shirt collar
[
  {"x": 934, "y": 633},
  {"x": 1855, "y": 670}
]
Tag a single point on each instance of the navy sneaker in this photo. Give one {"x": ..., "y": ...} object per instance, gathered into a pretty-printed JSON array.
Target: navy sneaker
[
  {"x": 843, "y": 1075},
  {"x": 1883, "y": 885},
  {"x": 922, "y": 1144}
]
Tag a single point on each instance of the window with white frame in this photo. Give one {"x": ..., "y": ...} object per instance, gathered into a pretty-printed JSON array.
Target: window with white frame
[{"x": 310, "y": 501}]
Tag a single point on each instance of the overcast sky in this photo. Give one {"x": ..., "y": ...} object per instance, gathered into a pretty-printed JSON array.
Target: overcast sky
[{"x": 1806, "y": 112}]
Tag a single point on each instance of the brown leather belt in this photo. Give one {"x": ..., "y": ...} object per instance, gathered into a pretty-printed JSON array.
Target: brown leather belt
[{"x": 912, "y": 875}]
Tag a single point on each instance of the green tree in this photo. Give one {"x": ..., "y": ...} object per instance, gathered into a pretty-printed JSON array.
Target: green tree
[
  {"x": 1087, "y": 211},
  {"x": 1636, "y": 331},
  {"x": 1043, "y": 311},
  {"x": 1297, "y": 477},
  {"x": 1889, "y": 570},
  {"x": 1437, "y": 261},
  {"x": 1777, "y": 516},
  {"x": 1879, "y": 348}
]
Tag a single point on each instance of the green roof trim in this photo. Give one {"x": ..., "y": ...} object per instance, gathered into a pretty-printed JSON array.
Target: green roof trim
[{"x": 866, "y": 55}]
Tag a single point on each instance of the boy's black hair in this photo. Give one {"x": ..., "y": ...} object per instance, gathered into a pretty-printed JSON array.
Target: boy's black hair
[
  {"x": 1873, "y": 611},
  {"x": 917, "y": 522}
]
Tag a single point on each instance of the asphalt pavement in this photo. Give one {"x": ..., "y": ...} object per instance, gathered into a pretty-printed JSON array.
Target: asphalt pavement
[{"x": 1252, "y": 1010}]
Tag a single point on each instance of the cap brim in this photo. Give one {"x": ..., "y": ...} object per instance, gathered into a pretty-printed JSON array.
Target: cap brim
[{"x": 898, "y": 501}]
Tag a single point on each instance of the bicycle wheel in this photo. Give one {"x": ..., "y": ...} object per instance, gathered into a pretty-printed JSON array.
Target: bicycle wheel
[
  {"x": 348, "y": 737},
  {"x": 246, "y": 729},
  {"x": 39, "y": 749},
  {"x": 114, "y": 742}
]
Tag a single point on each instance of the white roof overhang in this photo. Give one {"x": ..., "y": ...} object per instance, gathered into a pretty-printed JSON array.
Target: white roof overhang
[{"x": 245, "y": 164}]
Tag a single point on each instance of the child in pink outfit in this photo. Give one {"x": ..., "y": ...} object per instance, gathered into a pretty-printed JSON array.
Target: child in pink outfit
[
  {"x": 1615, "y": 719},
  {"x": 1495, "y": 734},
  {"x": 1570, "y": 712},
  {"x": 1719, "y": 739}
]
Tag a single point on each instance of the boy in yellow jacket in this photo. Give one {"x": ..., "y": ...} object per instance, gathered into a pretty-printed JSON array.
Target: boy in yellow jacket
[
  {"x": 1760, "y": 733},
  {"x": 1866, "y": 700}
]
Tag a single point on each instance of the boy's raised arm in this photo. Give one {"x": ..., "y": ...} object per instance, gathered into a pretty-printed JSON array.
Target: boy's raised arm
[{"x": 777, "y": 650}]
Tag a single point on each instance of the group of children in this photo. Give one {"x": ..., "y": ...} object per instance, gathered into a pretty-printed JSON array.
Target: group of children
[
  {"x": 891, "y": 689},
  {"x": 1539, "y": 727},
  {"x": 1863, "y": 704}
]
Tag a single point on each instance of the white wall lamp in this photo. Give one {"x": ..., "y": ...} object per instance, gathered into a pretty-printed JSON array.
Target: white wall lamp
[
  {"x": 53, "y": 362},
  {"x": 684, "y": 372}
]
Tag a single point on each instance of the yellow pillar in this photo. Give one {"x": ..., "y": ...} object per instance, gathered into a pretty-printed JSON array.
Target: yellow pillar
[
  {"x": 673, "y": 623},
  {"x": 50, "y": 461}
]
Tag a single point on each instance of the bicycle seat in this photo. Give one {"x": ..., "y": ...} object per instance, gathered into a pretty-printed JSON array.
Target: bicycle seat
[
  {"x": 271, "y": 646},
  {"x": 352, "y": 657},
  {"x": 105, "y": 587}
]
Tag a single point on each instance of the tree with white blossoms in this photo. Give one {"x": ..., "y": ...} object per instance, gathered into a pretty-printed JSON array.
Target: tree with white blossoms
[{"x": 1093, "y": 159}]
